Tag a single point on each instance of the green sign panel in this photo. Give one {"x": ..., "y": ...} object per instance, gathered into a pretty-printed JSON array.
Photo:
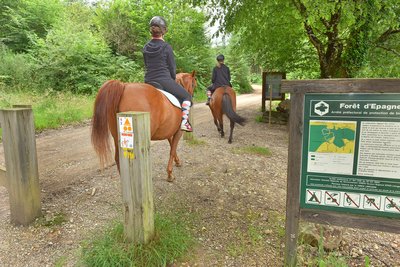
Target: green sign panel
[{"x": 351, "y": 153}]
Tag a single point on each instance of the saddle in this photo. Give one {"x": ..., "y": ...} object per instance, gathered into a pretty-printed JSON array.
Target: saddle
[{"x": 174, "y": 101}]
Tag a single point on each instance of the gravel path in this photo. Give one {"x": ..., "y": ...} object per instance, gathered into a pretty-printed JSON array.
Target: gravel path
[{"x": 236, "y": 199}]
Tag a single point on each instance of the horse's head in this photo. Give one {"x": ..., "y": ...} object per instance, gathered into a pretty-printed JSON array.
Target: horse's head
[{"x": 187, "y": 80}]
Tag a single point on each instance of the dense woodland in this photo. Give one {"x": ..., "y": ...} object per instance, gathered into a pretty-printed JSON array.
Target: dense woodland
[{"x": 76, "y": 45}]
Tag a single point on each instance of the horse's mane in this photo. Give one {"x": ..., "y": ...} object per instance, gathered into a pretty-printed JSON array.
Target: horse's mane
[{"x": 187, "y": 80}]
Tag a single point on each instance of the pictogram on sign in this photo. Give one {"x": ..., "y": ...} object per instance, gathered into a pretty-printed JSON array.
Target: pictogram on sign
[
  {"x": 332, "y": 198},
  {"x": 372, "y": 202},
  {"x": 313, "y": 196}
]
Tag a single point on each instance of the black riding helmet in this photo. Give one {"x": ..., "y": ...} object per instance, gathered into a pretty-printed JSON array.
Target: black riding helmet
[
  {"x": 160, "y": 22},
  {"x": 220, "y": 57}
]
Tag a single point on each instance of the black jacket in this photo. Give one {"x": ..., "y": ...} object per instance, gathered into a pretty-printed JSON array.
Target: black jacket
[
  {"x": 221, "y": 76},
  {"x": 159, "y": 61}
]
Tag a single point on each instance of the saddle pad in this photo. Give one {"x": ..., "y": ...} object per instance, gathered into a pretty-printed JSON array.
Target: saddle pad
[{"x": 174, "y": 101}]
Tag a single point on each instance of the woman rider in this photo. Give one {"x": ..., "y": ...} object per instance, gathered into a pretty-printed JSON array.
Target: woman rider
[
  {"x": 221, "y": 76},
  {"x": 160, "y": 67}
]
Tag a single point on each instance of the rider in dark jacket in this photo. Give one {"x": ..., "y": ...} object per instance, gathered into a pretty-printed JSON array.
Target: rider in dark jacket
[
  {"x": 160, "y": 67},
  {"x": 221, "y": 76}
]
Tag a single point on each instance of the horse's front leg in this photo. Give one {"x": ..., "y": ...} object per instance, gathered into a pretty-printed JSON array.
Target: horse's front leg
[
  {"x": 176, "y": 158},
  {"x": 172, "y": 154}
]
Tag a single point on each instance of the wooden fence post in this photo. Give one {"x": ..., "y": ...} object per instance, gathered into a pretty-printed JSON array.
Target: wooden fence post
[
  {"x": 21, "y": 164},
  {"x": 3, "y": 176},
  {"x": 136, "y": 176}
]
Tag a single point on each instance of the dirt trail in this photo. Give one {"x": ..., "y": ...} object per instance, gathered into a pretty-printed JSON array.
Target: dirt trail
[
  {"x": 67, "y": 153},
  {"x": 234, "y": 200}
]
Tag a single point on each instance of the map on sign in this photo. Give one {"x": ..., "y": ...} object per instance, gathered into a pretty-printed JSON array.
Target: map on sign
[{"x": 331, "y": 146}]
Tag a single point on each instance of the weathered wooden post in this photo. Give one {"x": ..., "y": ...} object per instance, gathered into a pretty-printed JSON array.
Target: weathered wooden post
[
  {"x": 21, "y": 164},
  {"x": 136, "y": 177},
  {"x": 3, "y": 176},
  {"x": 270, "y": 105}
]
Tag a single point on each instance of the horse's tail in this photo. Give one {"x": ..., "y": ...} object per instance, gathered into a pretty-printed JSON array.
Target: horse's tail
[
  {"x": 228, "y": 110},
  {"x": 104, "y": 117}
]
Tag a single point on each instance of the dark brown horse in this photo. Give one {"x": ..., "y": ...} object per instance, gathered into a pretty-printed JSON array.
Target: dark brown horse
[
  {"x": 223, "y": 101},
  {"x": 165, "y": 119}
]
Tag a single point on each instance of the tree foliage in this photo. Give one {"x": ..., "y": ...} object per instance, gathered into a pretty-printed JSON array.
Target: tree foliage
[
  {"x": 337, "y": 36},
  {"x": 75, "y": 45},
  {"x": 74, "y": 58},
  {"x": 22, "y": 22}
]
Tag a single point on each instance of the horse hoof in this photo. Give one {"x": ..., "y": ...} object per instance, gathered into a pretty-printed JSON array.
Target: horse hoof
[
  {"x": 170, "y": 179},
  {"x": 178, "y": 164},
  {"x": 229, "y": 141}
]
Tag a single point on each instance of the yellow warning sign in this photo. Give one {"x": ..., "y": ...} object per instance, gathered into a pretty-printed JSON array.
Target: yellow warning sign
[
  {"x": 127, "y": 126},
  {"x": 126, "y": 135}
]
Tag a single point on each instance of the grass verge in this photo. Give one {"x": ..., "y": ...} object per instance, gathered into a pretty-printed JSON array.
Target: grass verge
[
  {"x": 171, "y": 242},
  {"x": 51, "y": 109}
]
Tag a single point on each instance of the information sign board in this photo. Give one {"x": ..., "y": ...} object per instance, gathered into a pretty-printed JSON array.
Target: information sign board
[
  {"x": 351, "y": 153},
  {"x": 272, "y": 80}
]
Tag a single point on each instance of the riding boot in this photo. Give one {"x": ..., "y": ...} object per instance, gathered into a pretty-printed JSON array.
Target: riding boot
[
  {"x": 208, "y": 97},
  {"x": 185, "y": 124}
]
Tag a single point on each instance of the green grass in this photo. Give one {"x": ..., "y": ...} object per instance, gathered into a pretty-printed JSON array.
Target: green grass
[
  {"x": 195, "y": 142},
  {"x": 171, "y": 242},
  {"x": 255, "y": 150},
  {"x": 259, "y": 118},
  {"x": 51, "y": 109},
  {"x": 56, "y": 220}
]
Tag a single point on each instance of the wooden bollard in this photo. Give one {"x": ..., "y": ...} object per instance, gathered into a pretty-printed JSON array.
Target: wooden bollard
[
  {"x": 3, "y": 176},
  {"x": 21, "y": 164},
  {"x": 136, "y": 176}
]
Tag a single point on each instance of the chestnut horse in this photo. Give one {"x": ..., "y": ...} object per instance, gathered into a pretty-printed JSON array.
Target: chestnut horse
[
  {"x": 165, "y": 119},
  {"x": 223, "y": 101}
]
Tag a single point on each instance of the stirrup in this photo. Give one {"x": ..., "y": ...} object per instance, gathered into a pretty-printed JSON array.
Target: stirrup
[
  {"x": 185, "y": 126},
  {"x": 208, "y": 102}
]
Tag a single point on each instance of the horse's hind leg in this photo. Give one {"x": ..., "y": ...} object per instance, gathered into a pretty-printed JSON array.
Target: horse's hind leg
[
  {"x": 231, "y": 133},
  {"x": 217, "y": 125},
  {"x": 221, "y": 126}
]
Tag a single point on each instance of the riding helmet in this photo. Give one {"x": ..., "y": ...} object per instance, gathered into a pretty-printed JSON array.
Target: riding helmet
[
  {"x": 158, "y": 21},
  {"x": 220, "y": 57}
]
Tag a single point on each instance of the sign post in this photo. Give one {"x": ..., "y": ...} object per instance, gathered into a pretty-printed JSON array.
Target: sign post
[{"x": 136, "y": 178}]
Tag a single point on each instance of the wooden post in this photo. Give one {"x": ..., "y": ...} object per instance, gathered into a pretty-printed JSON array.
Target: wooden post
[
  {"x": 3, "y": 176},
  {"x": 136, "y": 176},
  {"x": 270, "y": 104},
  {"x": 293, "y": 179},
  {"x": 21, "y": 164}
]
